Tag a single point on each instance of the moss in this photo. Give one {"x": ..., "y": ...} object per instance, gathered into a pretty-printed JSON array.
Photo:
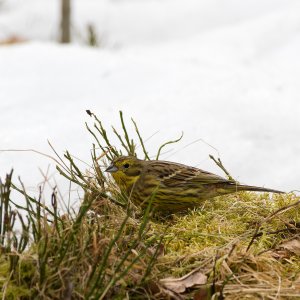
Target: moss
[
  {"x": 213, "y": 237},
  {"x": 15, "y": 285},
  {"x": 109, "y": 249}
]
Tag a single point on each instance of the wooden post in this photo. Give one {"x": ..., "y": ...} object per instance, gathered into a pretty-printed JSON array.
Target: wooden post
[{"x": 65, "y": 21}]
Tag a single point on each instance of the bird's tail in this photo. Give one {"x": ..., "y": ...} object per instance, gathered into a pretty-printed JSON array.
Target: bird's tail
[{"x": 241, "y": 187}]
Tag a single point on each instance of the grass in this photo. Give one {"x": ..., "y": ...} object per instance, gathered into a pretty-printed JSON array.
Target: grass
[{"x": 240, "y": 246}]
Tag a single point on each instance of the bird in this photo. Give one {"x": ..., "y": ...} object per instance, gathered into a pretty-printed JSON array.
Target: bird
[{"x": 170, "y": 186}]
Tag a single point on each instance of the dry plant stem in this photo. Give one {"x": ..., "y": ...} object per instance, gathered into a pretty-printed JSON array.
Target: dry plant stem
[
  {"x": 126, "y": 143},
  {"x": 140, "y": 139},
  {"x": 5, "y": 285},
  {"x": 59, "y": 162},
  {"x": 186, "y": 146},
  {"x": 101, "y": 251},
  {"x": 103, "y": 134},
  {"x": 121, "y": 141},
  {"x": 130, "y": 144},
  {"x": 167, "y": 143},
  {"x": 5, "y": 208},
  {"x": 62, "y": 164},
  {"x": 221, "y": 166},
  {"x": 98, "y": 142},
  {"x": 99, "y": 175},
  {"x": 268, "y": 218},
  {"x": 110, "y": 150}
]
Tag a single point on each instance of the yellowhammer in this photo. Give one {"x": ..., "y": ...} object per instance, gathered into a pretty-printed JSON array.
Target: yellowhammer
[{"x": 170, "y": 186}]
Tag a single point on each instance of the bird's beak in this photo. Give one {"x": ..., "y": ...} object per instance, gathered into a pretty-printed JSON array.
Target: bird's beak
[{"x": 111, "y": 169}]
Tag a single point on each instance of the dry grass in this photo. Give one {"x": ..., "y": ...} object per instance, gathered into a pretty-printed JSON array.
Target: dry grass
[
  {"x": 242, "y": 246},
  {"x": 241, "y": 243}
]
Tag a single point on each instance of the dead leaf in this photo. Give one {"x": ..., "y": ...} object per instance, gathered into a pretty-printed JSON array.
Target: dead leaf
[
  {"x": 206, "y": 292},
  {"x": 159, "y": 292},
  {"x": 202, "y": 294},
  {"x": 292, "y": 246},
  {"x": 287, "y": 249},
  {"x": 179, "y": 285},
  {"x": 12, "y": 40}
]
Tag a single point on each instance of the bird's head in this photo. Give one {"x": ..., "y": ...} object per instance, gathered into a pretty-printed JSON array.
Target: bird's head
[{"x": 126, "y": 170}]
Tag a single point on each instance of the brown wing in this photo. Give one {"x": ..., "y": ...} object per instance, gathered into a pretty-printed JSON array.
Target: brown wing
[{"x": 175, "y": 175}]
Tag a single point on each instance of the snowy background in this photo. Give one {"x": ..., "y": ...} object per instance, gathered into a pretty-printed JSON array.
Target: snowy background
[{"x": 225, "y": 72}]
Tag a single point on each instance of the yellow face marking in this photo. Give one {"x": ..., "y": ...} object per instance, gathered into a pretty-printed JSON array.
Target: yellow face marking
[
  {"x": 125, "y": 171},
  {"x": 123, "y": 180}
]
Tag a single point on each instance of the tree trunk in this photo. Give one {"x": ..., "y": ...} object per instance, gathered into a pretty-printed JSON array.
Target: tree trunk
[{"x": 65, "y": 21}]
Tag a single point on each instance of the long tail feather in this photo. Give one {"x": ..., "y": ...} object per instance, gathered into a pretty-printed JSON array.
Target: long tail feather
[{"x": 241, "y": 187}]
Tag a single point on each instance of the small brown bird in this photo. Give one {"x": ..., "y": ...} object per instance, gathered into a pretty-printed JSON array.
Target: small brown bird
[{"x": 171, "y": 186}]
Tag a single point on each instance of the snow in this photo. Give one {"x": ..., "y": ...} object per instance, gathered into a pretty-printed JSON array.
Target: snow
[{"x": 226, "y": 73}]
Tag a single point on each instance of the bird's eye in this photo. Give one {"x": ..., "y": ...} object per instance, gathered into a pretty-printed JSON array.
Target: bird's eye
[{"x": 126, "y": 166}]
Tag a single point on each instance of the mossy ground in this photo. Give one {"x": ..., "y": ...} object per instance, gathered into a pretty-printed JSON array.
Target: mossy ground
[
  {"x": 246, "y": 245},
  {"x": 237, "y": 241}
]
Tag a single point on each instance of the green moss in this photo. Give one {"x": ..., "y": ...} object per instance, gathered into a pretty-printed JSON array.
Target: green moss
[
  {"x": 213, "y": 237},
  {"x": 109, "y": 250},
  {"x": 16, "y": 285},
  {"x": 216, "y": 237}
]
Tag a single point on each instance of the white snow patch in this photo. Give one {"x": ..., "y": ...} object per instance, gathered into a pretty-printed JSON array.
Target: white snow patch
[{"x": 220, "y": 71}]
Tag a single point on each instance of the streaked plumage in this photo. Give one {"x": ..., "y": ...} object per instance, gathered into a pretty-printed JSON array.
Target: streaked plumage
[{"x": 171, "y": 186}]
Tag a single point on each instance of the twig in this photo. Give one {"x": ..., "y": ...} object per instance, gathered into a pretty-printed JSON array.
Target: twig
[
  {"x": 220, "y": 165},
  {"x": 167, "y": 143},
  {"x": 268, "y": 218},
  {"x": 129, "y": 143},
  {"x": 140, "y": 139}
]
